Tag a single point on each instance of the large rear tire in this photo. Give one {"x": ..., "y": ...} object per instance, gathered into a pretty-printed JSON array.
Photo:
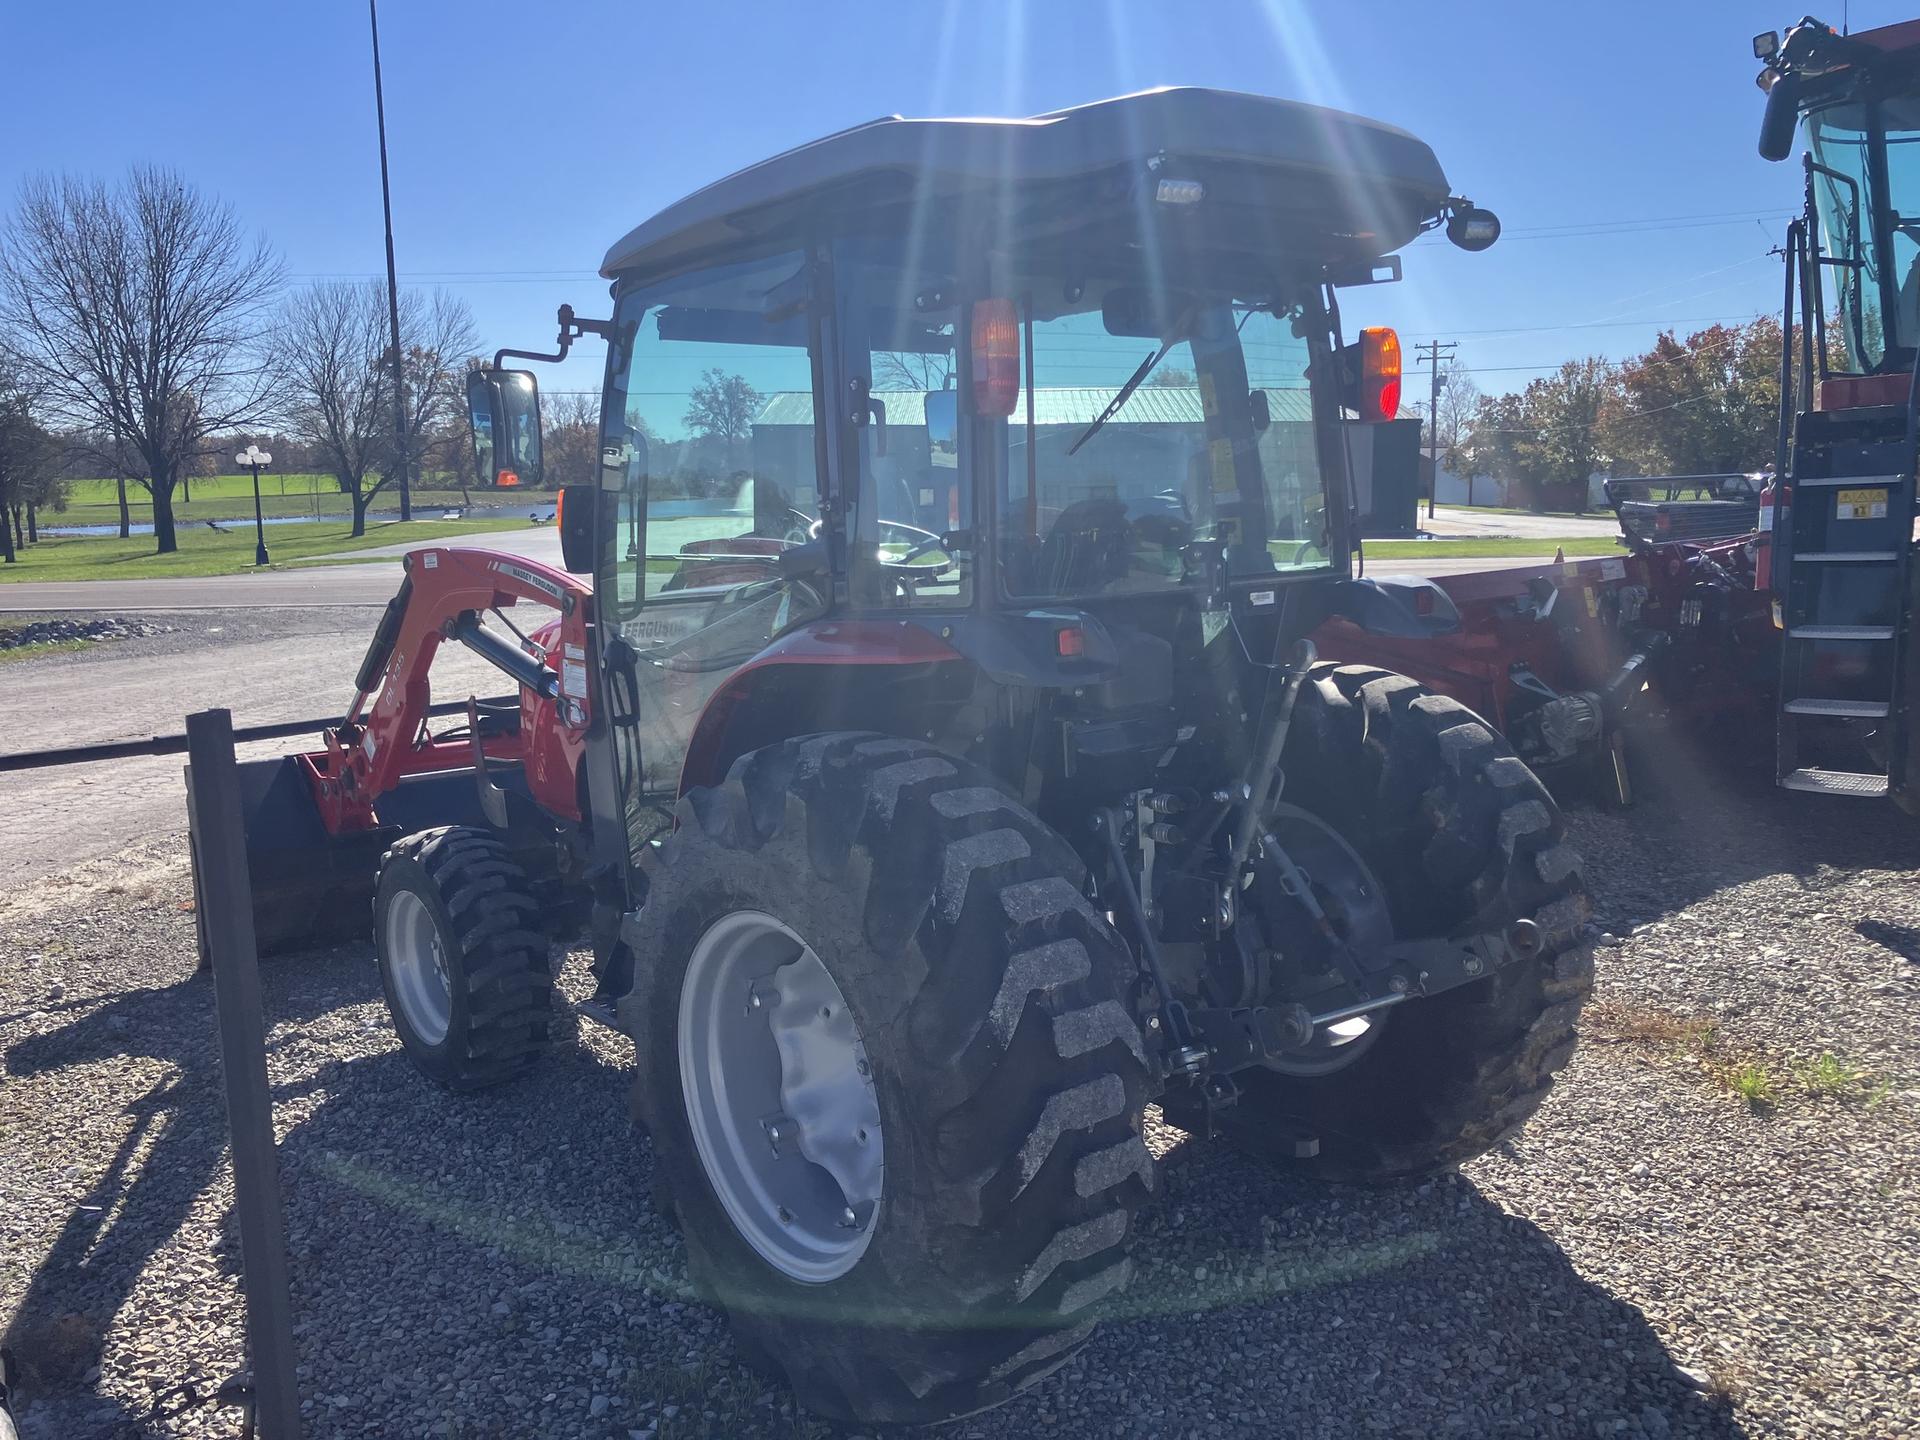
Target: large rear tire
[
  {"x": 1006, "y": 1077},
  {"x": 1461, "y": 834},
  {"x": 463, "y": 959}
]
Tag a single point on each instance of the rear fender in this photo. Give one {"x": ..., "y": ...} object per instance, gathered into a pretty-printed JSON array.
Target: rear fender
[{"x": 885, "y": 675}]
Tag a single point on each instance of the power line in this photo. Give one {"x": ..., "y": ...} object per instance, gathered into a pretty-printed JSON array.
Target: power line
[{"x": 1432, "y": 352}]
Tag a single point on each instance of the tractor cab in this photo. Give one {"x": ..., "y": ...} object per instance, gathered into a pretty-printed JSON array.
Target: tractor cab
[
  {"x": 1843, "y": 511},
  {"x": 939, "y": 764},
  {"x": 1014, "y": 399}
]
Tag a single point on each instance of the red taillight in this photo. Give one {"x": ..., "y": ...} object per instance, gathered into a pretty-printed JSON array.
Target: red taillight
[
  {"x": 996, "y": 357},
  {"x": 560, "y": 508},
  {"x": 1070, "y": 642},
  {"x": 507, "y": 479},
  {"x": 1379, "y": 373}
]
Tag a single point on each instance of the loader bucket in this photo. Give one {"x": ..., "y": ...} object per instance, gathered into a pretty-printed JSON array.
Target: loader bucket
[{"x": 311, "y": 889}]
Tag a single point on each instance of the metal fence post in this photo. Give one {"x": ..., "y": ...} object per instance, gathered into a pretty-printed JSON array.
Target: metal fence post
[{"x": 226, "y": 916}]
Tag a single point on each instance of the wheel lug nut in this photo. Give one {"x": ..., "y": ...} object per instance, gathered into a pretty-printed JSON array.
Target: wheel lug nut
[
  {"x": 863, "y": 1067},
  {"x": 786, "y": 1215},
  {"x": 848, "y": 1220}
]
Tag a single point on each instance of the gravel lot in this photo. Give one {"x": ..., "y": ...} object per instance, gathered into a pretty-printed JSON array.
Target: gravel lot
[{"x": 1655, "y": 1256}]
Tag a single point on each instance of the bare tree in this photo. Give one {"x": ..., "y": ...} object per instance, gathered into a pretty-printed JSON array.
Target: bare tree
[
  {"x": 139, "y": 310},
  {"x": 570, "y": 449},
  {"x": 336, "y": 359},
  {"x": 912, "y": 369},
  {"x": 722, "y": 406},
  {"x": 29, "y": 463},
  {"x": 436, "y": 336}
]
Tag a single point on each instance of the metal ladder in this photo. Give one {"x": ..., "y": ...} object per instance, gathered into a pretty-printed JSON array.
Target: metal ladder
[{"x": 1846, "y": 540}]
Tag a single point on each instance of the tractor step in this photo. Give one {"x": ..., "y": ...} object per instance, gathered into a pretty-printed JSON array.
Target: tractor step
[
  {"x": 1852, "y": 709},
  {"x": 1841, "y": 632},
  {"x": 600, "y": 1010},
  {"x": 1836, "y": 782}
]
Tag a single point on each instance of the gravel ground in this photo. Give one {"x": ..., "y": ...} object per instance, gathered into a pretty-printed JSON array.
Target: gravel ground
[{"x": 1654, "y": 1256}]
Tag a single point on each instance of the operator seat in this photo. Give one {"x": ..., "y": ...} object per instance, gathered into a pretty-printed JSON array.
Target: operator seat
[{"x": 1090, "y": 545}]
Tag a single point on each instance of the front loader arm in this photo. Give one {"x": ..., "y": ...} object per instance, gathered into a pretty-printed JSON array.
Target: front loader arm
[{"x": 444, "y": 596}]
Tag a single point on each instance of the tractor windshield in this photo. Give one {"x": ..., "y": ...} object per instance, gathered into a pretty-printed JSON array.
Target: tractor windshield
[
  {"x": 1866, "y": 230},
  {"x": 1148, "y": 421}
]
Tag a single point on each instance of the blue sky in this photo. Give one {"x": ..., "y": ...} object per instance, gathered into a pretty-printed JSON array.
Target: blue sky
[{"x": 1616, "y": 141}]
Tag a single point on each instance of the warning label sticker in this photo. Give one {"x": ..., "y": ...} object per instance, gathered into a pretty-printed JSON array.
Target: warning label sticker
[
  {"x": 573, "y": 679},
  {"x": 1861, "y": 505}
]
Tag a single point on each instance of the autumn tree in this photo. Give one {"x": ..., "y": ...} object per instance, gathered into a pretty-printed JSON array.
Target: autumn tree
[
  {"x": 1563, "y": 412},
  {"x": 139, "y": 310},
  {"x": 1707, "y": 406}
]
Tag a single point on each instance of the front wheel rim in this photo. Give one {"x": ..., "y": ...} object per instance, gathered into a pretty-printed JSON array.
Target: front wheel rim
[
  {"x": 780, "y": 1097},
  {"x": 417, "y": 960}
]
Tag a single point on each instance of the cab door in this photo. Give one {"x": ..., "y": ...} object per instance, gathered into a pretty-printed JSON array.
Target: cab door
[{"x": 712, "y": 455}]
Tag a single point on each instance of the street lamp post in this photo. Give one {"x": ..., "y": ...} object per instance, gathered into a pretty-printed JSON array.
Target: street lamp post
[{"x": 253, "y": 457}]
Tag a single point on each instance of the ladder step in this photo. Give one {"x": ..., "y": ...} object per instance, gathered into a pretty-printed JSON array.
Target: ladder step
[
  {"x": 1841, "y": 632},
  {"x": 1849, "y": 557},
  {"x": 1835, "y": 782},
  {"x": 1863, "y": 482},
  {"x": 1855, "y": 709}
]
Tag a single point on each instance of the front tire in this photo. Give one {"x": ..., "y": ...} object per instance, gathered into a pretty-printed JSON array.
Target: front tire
[
  {"x": 462, "y": 957},
  {"x": 1463, "y": 836},
  {"x": 985, "y": 1006}
]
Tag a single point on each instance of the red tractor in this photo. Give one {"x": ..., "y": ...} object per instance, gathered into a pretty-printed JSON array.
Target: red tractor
[{"x": 936, "y": 764}]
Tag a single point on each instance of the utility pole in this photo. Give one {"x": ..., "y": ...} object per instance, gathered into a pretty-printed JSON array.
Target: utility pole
[
  {"x": 1432, "y": 352},
  {"x": 393, "y": 284}
]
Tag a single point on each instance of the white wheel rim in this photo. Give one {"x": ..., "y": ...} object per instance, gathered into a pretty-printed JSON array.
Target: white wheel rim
[
  {"x": 780, "y": 1097},
  {"x": 417, "y": 960}
]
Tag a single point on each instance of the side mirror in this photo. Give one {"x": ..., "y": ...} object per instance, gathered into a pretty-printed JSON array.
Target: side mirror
[
  {"x": 573, "y": 518},
  {"x": 1783, "y": 113},
  {"x": 504, "y": 406},
  {"x": 942, "y": 408}
]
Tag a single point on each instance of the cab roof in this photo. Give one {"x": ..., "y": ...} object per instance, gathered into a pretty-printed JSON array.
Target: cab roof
[{"x": 1374, "y": 182}]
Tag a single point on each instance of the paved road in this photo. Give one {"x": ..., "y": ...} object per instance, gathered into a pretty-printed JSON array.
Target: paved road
[{"x": 264, "y": 668}]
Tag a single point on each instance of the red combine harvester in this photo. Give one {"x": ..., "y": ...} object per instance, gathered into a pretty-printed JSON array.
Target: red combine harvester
[{"x": 1776, "y": 604}]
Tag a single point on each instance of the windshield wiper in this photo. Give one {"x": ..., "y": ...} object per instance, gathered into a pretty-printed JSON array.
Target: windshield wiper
[{"x": 1122, "y": 395}]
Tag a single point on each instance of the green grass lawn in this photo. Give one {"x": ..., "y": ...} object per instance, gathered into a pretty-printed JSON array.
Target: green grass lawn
[
  {"x": 230, "y": 497},
  {"x": 209, "y": 552},
  {"x": 1492, "y": 546}
]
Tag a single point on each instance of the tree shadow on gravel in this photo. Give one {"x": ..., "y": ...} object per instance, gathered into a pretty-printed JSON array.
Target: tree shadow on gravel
[
  {"x": 173, "y": 1149},
  {"x": 1706, "y": 817},
  {"x": 1273, "y": 1307},
  {"x": 494, "y": 1265}
]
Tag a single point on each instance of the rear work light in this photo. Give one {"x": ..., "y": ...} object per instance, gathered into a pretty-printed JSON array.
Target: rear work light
[
  {"x": 1379, "y": 373},
  {"x": 996, "y": 357}
]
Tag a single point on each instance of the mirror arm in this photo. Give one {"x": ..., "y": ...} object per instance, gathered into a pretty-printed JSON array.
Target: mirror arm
[{"x": 572, "y": 328}]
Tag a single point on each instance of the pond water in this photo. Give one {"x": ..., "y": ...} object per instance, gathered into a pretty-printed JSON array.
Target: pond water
[{"x": 374, "y": 517}]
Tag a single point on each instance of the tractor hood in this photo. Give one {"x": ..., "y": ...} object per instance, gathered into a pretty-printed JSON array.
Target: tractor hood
[{"x": 1351, "y": 187}]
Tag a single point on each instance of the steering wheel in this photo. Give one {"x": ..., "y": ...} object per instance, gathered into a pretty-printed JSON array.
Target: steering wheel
[{"x": 918, "y": 542}]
